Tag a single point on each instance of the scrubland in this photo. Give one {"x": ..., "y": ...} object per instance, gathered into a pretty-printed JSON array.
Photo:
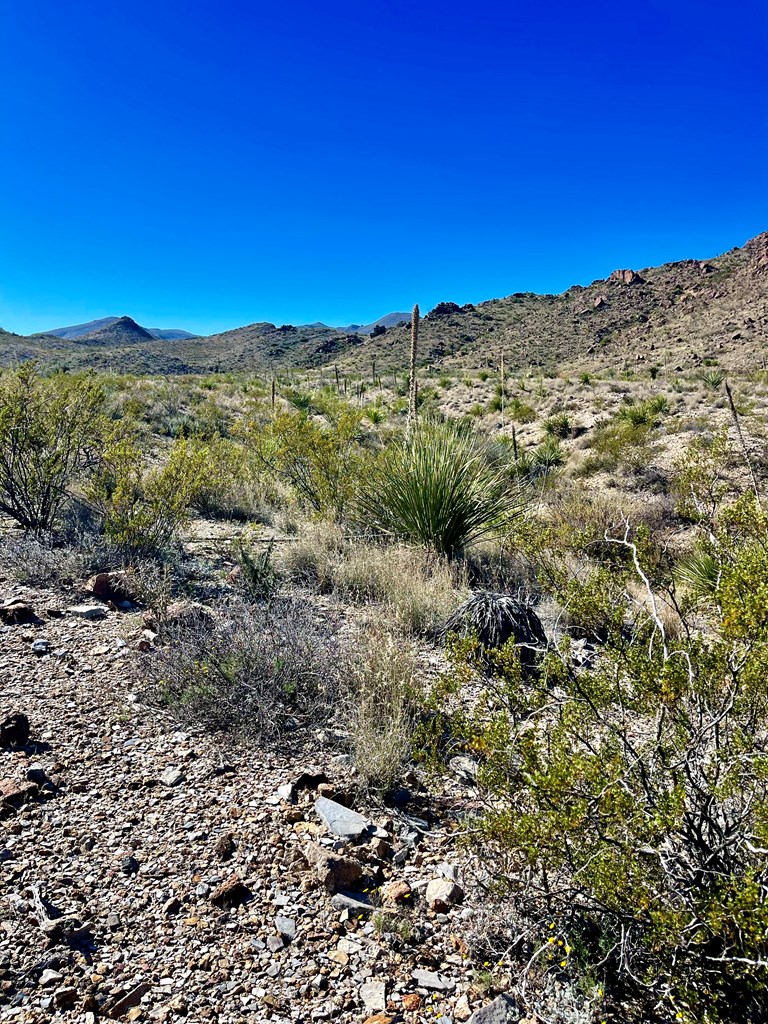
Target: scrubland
[{"x": 620, "y": 753}]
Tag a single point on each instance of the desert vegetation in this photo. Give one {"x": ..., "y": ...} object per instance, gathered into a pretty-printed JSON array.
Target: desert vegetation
[{"x": 563, "y": 592}]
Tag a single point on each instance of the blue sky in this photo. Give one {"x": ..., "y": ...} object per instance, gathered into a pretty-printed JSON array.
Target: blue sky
[{"x": 210, "y": 163}]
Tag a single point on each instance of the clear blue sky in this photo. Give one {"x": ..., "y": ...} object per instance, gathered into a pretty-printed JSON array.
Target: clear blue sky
[{"x": 210, "y": 163}]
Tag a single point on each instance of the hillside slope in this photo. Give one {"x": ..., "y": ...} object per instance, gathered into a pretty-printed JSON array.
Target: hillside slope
[{"x": 678, "y": 314}]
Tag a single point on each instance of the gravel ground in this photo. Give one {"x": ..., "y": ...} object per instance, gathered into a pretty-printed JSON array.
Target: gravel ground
[{"x": 148, "y": 873}]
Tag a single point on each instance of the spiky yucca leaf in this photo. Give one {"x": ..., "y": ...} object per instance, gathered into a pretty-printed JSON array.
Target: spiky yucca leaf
[
  {"x": 699, "y": 572},
  {"x": 438, "y": 489}
]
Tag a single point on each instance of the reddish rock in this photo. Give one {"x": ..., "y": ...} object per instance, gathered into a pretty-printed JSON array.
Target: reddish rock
[
  {"x": 109, "y": 586},
  {"x": 13, "y": 793},
  {"x": 332, "y": 870},
  {"x": 626, "y": 277},
  {"x": 231, "y": 893},
  {"x": 397, "y": 892},
  {"x": 225, "y": 847}
]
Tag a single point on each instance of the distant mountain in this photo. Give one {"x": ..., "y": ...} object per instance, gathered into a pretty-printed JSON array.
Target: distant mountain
[
  {"x": 84, "y": 330},
  {"x": 120, "y": 331},
  {"x": 78, "y": 330},
  {"x": 388, "y": 320},
  {"x": 170, "y": 333}
]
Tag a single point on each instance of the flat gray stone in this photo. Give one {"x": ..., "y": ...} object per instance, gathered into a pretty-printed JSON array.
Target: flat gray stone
[
  {"x": 431, "y": 980},
  {"x": 340, "y": 819},
  {"x": 91, "y": 612},
  {"x": 49, "y": 977},
  {"x": 502, "y": 1010},
  {"x": 342, "y": 902},
  {"x": 286, "y": 927},
  {"x": 172, "y": 777}
]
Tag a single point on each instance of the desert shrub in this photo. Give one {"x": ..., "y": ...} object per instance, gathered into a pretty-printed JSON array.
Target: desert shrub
[
  {"x": 626, "y": 439},
  {"x": 252, "y": 670},
  {"x": 437, "y": 489},
  {"x": 558, "y": 425},
  {"x": 629, "y": 798},
  {"x": 322, "y": 461},
  {"x": 645, "y": 413},
  {"x": 143, "y": 506},
  {"x": 37, "y": 561},
  {"x": 519, "y": 410},
  {"x": 229, "y": 485},
  {"x": 258, "y": 576},
  {"x": 384, "y": 680},
  {"x": 49, "y": 433}
]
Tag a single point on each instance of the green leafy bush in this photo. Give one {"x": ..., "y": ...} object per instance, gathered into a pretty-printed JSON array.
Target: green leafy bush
[
  {"x": 558, "y": 425},
  {"x": 322, "y": 461},
  {"x": 629, "y": 796},
  {"x": 49, "y": 432},
  {"x": 142, "y": 506}
]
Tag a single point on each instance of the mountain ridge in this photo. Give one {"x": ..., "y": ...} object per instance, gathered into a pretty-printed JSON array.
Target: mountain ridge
[
  {"x": 680, "y": 313},
  {"x": 81, "y": 330}
]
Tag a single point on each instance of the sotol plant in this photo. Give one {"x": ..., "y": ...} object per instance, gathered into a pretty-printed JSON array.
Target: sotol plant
[{"x": 438, "y": 489}]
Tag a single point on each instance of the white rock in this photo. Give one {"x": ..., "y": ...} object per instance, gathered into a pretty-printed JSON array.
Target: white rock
[{"x": 374, "y": 995}]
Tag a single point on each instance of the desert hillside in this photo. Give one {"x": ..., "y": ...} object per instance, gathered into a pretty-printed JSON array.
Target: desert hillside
[{"x": 677, "y": 314}]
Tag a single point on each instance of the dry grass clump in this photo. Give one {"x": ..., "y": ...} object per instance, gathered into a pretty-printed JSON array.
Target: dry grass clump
[
  {"x": 384, "y": 677},
  {"x": 417, "y": 587},
  {"x": 311, "y": 559}
]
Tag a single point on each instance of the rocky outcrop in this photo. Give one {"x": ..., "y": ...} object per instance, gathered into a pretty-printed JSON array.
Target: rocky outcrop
[{"x": 626, "y": 277}]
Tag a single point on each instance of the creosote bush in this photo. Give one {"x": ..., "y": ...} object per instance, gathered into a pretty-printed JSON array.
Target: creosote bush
[
  {"x": 142, "y": 506},
  {"x": 49, "y": 433},
  {"x": 629, "y": 798}
]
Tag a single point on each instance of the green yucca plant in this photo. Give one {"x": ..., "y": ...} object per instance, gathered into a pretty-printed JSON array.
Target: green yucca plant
[
  {"x": 699, "y": 572},
  {"x": 438, "y": 489},
  {"x": 712, "y": 379},
  {"x": 644, "y": 414}
]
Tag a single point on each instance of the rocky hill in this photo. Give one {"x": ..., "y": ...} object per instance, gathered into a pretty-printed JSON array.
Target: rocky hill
[
  {"x": 84, "y": 330},
  {"x": 678, "y": 314}
]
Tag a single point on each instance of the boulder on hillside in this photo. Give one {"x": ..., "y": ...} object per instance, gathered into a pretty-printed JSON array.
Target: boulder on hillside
[{"x": 626, "y": 277}]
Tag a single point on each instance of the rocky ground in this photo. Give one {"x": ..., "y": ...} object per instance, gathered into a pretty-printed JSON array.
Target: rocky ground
[{"x": 148, "y": 873}]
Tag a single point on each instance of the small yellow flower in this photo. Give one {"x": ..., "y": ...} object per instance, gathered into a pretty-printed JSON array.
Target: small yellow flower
[
  {"x": 559, "y": 942},
  {"x": 552, "y": 924},
  {"x": 552, "y": 939},
  {"x": 563, "y": 963},
  {"x": 567, "y": 949}
]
